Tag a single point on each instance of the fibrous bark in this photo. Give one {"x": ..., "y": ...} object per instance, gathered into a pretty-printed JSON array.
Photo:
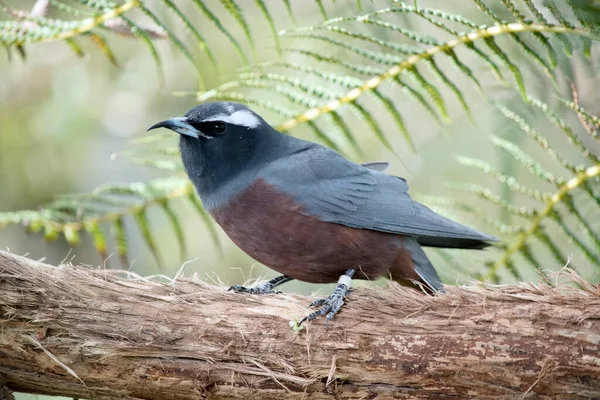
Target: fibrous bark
[{"x": 105, "y": 334}]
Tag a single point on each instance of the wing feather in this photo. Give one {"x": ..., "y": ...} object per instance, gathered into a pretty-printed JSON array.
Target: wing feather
[{"x": 337, "y": 190}]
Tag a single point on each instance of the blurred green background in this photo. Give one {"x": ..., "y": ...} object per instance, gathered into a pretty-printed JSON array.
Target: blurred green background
[{"x": 65, "y": 122}]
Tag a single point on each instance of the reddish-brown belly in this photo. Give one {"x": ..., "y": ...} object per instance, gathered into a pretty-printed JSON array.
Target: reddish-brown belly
[{"x": 270, "y": 228}]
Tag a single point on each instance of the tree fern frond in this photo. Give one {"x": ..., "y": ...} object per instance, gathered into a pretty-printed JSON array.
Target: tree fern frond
[
  {"x": 510, "y": 181},
  {"x": 147, "y": 40},
  {"x": 393, "y": 111},
  {"x": 563, "y": 190},
  {"x": 565, "y": 128},
  {"x": 412, "y": 60},
  {"x": 572, "y": 235},
  {"x": 583, "y": 12},
  {"x": 521, "y": 43},
  {"x": 553, "y": 205},
  {"x": 110, "y": 205},
  {"x": 213, "y": 18},
  {"x": 432, "y": 91},
  {"x": 552, "y": 57},
  {"x": 486, "y": 194},
  {"x": 322, "y": 9},
  {"x": 471, "y": 46},
  {"x": 366, "y": 19},
  {"x": 514, "y": 70},
  {"x": 386, "y": 44},
  {"x": 586, "y": 117},
  {"x": 479, "y": 212},
  {"x": 465, "y": 69},
  {"x": 265, "y": 11},
  {"x": 171, "y": 35},
  {"x": 77, "y": 49},
  {"x": 235, "y": 10},
  {"x": 290, "y": 12},
  {"x": 27, "y": 29},
  {"x": 541, "y": 141},
  {"x": 93, "y": 16},
  {"x": 98, "y": 238},
  {"x": 118, "y": 230},
  {"x": 102, "y": 44},
  {"x": 195, "y": 33},
  {"x": 419, "y": 98},
  {"x": 177, "y": 228},
  {"x": 564, "y": 41}
]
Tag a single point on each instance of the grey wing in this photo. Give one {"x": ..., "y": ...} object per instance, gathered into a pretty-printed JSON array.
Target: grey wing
[
  {"x": 337, "y": 190},
  {"x": 377, "y": 165}
]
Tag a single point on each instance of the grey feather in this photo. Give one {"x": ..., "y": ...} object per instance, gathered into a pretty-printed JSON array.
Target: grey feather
[
  {"x": 337, "y": 190},
  {"x": 423, "y": 266},
  {"x": 380, "y": 166}
]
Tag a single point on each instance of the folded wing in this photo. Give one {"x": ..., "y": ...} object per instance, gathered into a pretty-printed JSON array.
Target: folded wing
[{"x": 336, "y": 190}]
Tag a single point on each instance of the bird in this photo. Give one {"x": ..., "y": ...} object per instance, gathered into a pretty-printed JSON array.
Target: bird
[{"x": 307, "y": 212}]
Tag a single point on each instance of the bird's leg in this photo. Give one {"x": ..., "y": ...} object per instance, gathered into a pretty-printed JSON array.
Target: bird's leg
[
  {"x": 262, "y": 288},
  {"x": 334, "y": 302}
]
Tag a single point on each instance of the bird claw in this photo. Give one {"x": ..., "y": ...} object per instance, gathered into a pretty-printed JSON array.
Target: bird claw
[
  {"x": 262, "y": 288},
  {"x": 331, "y": 305}
]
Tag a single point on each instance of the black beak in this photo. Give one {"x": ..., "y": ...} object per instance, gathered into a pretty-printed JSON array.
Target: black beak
[{"x": 179, "y": 125}]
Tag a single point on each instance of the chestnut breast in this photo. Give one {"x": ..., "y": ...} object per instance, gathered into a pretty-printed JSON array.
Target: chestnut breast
[{"x": 272, "y": 229}]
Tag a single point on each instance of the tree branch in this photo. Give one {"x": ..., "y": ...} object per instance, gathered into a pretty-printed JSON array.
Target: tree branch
[{"x": 107, "y": 334}]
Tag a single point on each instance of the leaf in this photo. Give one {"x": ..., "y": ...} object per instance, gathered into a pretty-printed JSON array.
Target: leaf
[
  {"x": 118, "y": 230},
  {"x": 208, "y": 222},
  {"x": 213, "y": 18},
  {"x": 98, "y": 237},
  {"x": 234, "y": 9},
  {"x": 177, "y": 228},
  {"x": 144, "y": 225},
  {"x": 265, "y": 11},
  {"x": 190, "y": 26},
  {"x": 71, "y": 234}
]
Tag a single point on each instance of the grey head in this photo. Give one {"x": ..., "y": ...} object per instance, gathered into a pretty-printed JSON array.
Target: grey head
[{"x": 222, "y": 143}]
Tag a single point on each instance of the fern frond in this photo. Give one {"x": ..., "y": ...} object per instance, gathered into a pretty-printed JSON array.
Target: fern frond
[
  {"x": 559, "y": 203},
  {"x": 411, "y": 61},
  {"x": 195, "y": 33},
  {"x": 534, "y": 227},
  {"x": 235, "y": 10},
  {"x": 109, "y": 206},
  {"x": 88, "y": 17},
  {"x": 213, "y": 18}
]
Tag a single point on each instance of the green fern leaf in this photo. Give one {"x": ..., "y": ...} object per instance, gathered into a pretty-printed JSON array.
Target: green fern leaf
[
  {"x": 144, "y": 225},
  {"x": 118, "y": 230},
  {"x": 98, "y": 237},
  {"x": 213, "y": 18},
  {"x": 234, "y": 9},
  {"x": 208, "y": 222},
  {"x": 177, "y": 228}
]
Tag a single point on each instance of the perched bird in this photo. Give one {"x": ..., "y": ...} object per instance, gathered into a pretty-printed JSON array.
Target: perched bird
[{"x": 307, "y": 212}]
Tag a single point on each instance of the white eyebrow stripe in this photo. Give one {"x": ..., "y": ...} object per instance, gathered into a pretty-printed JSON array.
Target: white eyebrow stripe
[
  {"x": 242, "y": 117},
  {"x": 229, "y": 108}
]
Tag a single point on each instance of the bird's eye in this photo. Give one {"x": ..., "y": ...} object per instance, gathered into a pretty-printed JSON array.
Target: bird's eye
[{"x": 219, "y": 128}]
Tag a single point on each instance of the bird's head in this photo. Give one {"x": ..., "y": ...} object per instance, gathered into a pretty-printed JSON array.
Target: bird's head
[
  {"x": 219, "y": 140},
  {"x": 216, "y": 120}
]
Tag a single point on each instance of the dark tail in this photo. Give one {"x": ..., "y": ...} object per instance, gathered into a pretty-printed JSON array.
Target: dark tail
[
  {"x": 421, "y": 269},
  {"x": 452, "y": 243}
]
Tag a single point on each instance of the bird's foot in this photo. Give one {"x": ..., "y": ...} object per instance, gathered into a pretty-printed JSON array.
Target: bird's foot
[
  {"x": 332, "y": 304},
  {"x": 262, "y": 288}
]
